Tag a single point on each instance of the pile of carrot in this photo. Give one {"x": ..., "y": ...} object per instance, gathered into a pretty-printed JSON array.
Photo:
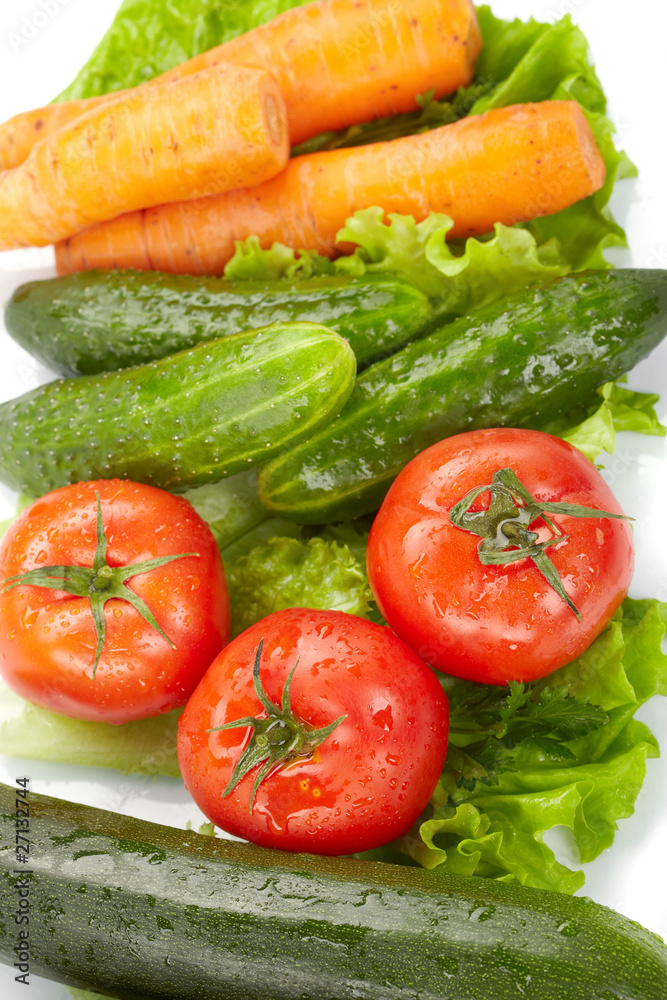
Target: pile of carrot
[
  {"x": 168, "y": 176},
  {"x": 506, "y": 166},
  {"x": 337, "y": 63}
]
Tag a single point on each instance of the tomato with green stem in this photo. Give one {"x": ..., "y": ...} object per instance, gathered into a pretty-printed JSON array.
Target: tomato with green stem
[
  {"x": 113, "y": 601},
  {"x": 499, "y": 555},
  {"x": 314, "y": 731}
]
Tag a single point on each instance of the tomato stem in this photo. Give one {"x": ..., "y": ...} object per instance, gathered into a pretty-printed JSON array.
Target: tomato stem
[
  {"x": 99, "y": 583},
  {"x": 504, "y": 526},
  {"x": 276, "y": 740}
]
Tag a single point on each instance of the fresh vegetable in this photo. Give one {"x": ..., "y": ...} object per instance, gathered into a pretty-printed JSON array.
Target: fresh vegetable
[
  {"x": 457, "y": 276},
  {"x": 592, "y": 428},
  {"x": 377, "y": 930},
  {"x": 231, "y": 507},
  {"x": 522, "y": 361},
  {"x": 287, "y": 573},
  {"x": 113, "y": 601},
  {"x": 212, "y": 132},
  {"x": 147, "y": 746},
  {"x": 504, "y": 784},
  {"x": 102, "y": 321},
  {"x": 504, "y": 166},
  {"x": 489, "y": 812},
  {"x": 189, "y": 419},
  {"x": 520, "y": 62},
  {"x": 360, "y": 58},
  {"x": 523, "y": 762},
  {"x": 315, "y": 730},
  {"x": 488, "y": 557}
]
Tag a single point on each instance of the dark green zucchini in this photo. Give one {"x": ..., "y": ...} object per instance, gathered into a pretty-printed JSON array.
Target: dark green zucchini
[
  {"x": 192, "y": 418},
  {"x": 101, "y": 321},
  {"x": 520, "y": 362},
  {"x": 144, "y": 912}
]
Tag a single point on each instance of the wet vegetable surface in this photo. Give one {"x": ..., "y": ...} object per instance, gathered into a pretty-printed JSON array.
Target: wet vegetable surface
[
  {"x": 351, "y": 750},
  {"x": 176, "y": 423},
  {"x": 105, "y": 320},
  {"x": 520, "y": 362},
  {"x": 464, "y": 591},
  {"x": 143, "y": 912}
]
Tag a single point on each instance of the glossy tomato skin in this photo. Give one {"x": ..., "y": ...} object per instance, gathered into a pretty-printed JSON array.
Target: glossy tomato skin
[
  {"x": 367, "y": 782},
  {"x": 493, "y": 624},
  {"x": 48, "y": 638}
]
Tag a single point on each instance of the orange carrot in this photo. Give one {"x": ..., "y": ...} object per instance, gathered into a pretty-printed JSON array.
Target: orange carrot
[
  {"x": 337, "y": 62},
  {"x": 208, "y": 133},
  {"x": 508, "y": 165},
  {"x": 21, "y": 133}
]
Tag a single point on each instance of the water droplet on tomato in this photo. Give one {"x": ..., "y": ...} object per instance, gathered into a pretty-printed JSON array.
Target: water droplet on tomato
[{"x": 383, "y": 718}]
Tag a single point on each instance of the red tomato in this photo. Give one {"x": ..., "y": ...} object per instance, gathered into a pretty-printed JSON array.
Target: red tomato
[
  {"x": 48, "y": 637},
  {"x": 496, "y": 623},
  {"x": 367, "y": 781}
]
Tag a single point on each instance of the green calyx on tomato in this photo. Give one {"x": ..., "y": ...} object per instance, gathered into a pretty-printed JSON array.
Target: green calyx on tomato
[
  {"x": 99, "y": 583},
  {"x": 504, "y": 526},
  {"x": 276, "y": 740}
]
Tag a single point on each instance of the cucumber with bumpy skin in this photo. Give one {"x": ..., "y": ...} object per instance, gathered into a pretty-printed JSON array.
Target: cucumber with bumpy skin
[
  {"x": 520, "y": 362},
  {"x": 144, "y": 912},
  {"x": 98, "y": 321},
  {"x": 192, "y": 418}
]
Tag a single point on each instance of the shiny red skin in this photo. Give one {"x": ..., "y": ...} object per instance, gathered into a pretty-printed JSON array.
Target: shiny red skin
[
  {"x": 47, "y": 637},
  {"x": 367, "y": 782},
  {"x": 493, "y": 624}
]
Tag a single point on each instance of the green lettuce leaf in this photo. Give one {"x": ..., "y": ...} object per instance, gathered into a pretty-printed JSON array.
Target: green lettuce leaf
[
  {"x": 460, "y": 276},
  {"x": 273, "y": 527},
  {"x": 250, "y": 262},
  {"x": 231, "y": 507},
  {"x": 288, "y": 573},
  {"x": 149, "y": 37},
  {"x": 144, "y": 747},
  {"x": 494, "y": 826},
  {"x": 457, "y": 276},
  {"x": 614, "y": 408},
  {"x": 530, "y": 60},
  {"x": 506, "y": 43}
]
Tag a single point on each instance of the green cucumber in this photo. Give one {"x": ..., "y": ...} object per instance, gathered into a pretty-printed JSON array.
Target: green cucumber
[
  {"x": 98, "y": 321},
  {"x": 192, "y": 418},
  {"x": 521, "y": 362},
  {"x": 144, "y": 912}
]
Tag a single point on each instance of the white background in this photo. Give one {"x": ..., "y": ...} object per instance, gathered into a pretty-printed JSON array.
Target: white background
[{"x": 43, "y": 44}]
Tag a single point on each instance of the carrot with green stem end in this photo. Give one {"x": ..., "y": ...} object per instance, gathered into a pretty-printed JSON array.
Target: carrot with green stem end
[
  {"x": 208, "y": 133},
  {"x": 338, "y": 63},
  {"x": 508, "y": 165}
]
